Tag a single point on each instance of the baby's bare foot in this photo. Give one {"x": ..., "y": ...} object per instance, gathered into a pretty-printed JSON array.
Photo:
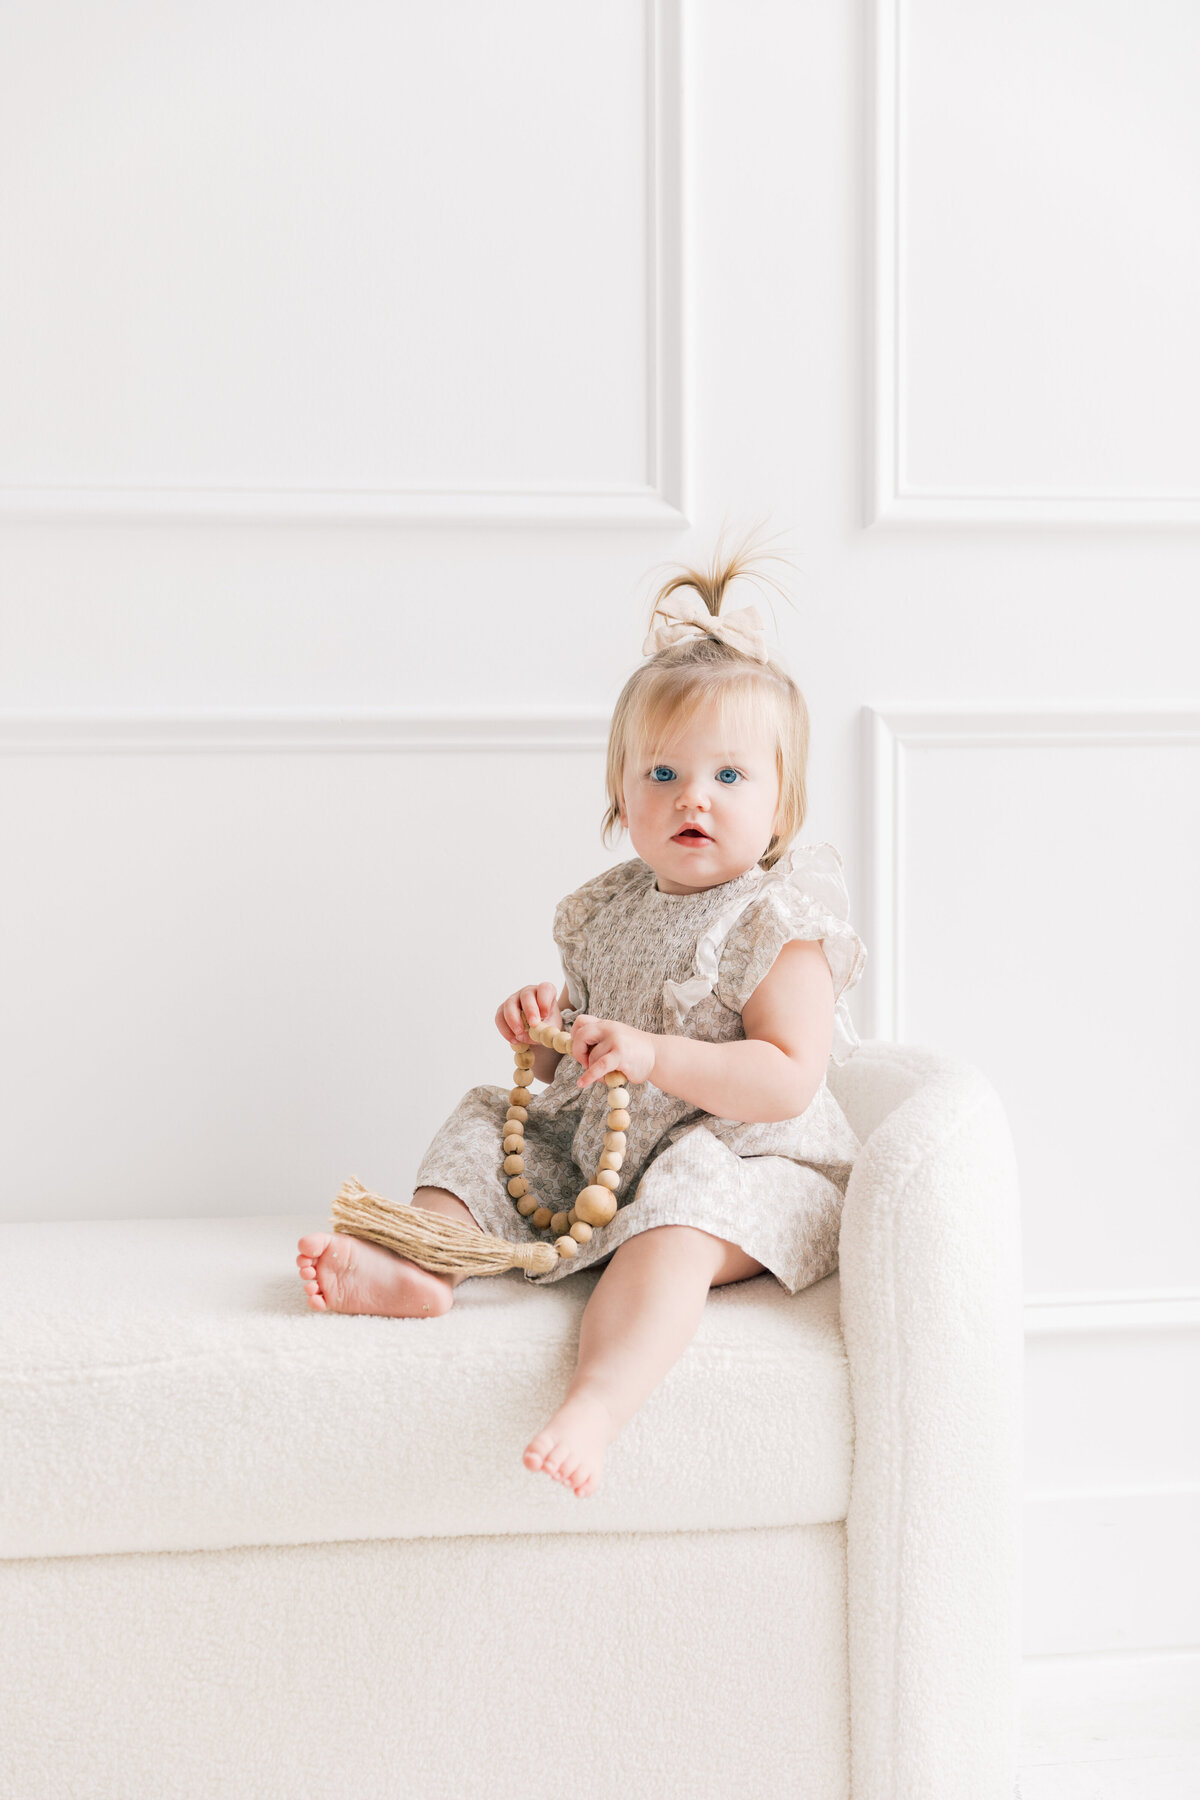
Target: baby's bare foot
[
  {"x": 347, "y": 1274},
  {"x": 571, "y": 1447}
]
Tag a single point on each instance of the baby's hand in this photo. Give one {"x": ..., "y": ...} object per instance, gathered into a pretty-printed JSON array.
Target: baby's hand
[
  {"x": 528, "y": 1006},
  {"x": 603, "y": 1045}
]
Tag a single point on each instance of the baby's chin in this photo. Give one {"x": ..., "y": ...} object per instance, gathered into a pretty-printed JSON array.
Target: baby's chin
[{"x": 694, "y": 870}]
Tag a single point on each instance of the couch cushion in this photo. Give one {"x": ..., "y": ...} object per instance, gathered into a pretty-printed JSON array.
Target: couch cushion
[{"x": 164, "y": 1386}]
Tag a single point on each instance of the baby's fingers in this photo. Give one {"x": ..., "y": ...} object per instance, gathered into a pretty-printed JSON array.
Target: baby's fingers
[
  {"x": 537, "y": 1002},
  {"x": 508, "y": 1020},
  {"x": 600, "y": 1066}
]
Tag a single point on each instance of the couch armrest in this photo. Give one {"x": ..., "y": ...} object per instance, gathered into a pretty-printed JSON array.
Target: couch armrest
[{"x": 932, "y": 1320}]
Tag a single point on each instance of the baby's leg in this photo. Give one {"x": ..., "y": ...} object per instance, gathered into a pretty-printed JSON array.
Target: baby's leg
[
  {"x": 640, "y": 1319},
  {"x": 347, "y": 1274}
]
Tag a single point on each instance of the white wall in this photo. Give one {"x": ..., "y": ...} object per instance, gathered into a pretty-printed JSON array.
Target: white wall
[{"x": 361, "y": 364}]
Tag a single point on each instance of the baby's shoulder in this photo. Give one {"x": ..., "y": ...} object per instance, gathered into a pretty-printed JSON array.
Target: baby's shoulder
[
  {"x": 575, "y": 913},
  {"x": 611, "y": 884},
  {"x": 802, "y": 898}
]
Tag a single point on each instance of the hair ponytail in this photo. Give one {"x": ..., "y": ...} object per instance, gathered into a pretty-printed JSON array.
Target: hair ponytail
[{"x": 745, "y": 561}]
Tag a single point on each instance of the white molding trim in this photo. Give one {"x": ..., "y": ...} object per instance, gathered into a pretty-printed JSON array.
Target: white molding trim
[
  {"x": 893, "y": 499},
  {"x": 309, "y": 729},
  {"x": 1134, "y": 1658},
  {"x": 412, "y": 505},
  {"x": 1074, "y": 1315},
  {"x": 660, "y": 502},
  {"x": 667, "y": 336},
  {"x": 891, "y": 731}
]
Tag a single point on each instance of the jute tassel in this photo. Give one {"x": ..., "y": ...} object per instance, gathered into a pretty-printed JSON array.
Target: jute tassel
[{"x": 436, "y": 1243}]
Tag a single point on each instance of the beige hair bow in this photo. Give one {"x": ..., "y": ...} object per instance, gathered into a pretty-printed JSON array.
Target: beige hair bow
[{"x": 683, "y": 615}]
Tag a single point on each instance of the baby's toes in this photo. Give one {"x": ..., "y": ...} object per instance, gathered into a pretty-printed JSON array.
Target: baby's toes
[
  {"x": 554, "y": 1461},
  {"x": 568, "y": 1467},
  {"x": 310, "y": 1284},
  {"x": 537, "y": 1450}
]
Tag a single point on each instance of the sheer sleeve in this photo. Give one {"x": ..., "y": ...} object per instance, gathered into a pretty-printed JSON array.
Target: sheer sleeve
[{"x": 807, "y": 901}]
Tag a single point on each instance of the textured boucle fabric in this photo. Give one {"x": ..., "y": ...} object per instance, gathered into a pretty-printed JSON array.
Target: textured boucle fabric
[
  {"x": 164, "y": 1385},
  {"x": 685, "y": 964},
  {"x": 932, "y": 1316},
  {"x": 694, "y": 1666}
]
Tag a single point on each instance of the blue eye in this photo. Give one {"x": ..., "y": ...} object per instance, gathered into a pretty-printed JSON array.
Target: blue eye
[
  {"x": 722, "y": 773},
  {"x": 662, "y": 769}
]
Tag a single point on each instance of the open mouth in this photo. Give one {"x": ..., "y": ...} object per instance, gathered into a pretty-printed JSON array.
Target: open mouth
[{"x": 691, "y": 834}]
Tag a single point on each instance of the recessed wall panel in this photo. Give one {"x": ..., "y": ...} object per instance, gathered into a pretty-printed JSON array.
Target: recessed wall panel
[
  {"x": 1036, "y": 281},
  {"x": 1046, "y": 931},
  {"x": 355, "y": 247},
  {"x": 232, "y": 978}
]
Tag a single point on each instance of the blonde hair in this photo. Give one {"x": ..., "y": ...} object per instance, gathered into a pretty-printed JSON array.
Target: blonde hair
[{"x": 664, "y": 695}]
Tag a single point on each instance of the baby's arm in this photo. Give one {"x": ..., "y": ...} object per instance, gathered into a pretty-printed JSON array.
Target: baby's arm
[{"x": 788, "y": 1021}]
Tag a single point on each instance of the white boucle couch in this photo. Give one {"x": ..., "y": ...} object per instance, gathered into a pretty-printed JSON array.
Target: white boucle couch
[{"x": 258, "y": 1552}]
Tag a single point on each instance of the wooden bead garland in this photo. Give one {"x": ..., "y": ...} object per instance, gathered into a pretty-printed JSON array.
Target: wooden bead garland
[
  {"x": 596, "y": 1204},
  {"x": 447, "y": 1247}
]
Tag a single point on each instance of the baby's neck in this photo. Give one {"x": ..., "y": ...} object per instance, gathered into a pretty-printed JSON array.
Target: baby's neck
[{"x": 665, "y": 885}]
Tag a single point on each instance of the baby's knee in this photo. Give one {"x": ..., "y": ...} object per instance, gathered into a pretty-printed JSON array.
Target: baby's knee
[{"x": 680, "y": 1243}]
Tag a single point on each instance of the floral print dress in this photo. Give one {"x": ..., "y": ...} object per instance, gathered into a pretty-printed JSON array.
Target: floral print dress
[{"x": 684, "y": 964}]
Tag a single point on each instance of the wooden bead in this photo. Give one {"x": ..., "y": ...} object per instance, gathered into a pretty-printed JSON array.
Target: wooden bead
[{"x": 596, "y": 1205}]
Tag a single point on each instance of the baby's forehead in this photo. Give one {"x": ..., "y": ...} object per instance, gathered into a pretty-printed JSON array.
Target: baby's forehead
[{"x": 744, "y": 747}]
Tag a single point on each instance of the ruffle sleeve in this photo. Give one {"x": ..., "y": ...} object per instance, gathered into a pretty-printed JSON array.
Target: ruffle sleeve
[
  {"x": 572, "y": 917},
  {"x": 804, "y": 896}
]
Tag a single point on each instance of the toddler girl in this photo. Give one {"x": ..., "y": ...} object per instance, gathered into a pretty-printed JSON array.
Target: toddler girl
[{"x": 712, "y": 970}]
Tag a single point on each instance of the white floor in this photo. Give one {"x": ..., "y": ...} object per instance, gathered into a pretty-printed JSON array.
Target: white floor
[{"x": 1111, "y": 1727}]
